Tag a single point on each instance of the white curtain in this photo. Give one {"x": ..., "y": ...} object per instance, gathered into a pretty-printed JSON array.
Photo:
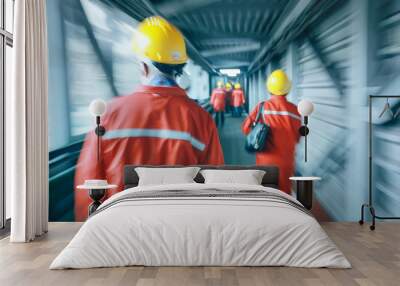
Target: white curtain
[{"x": 26, "y": 130}]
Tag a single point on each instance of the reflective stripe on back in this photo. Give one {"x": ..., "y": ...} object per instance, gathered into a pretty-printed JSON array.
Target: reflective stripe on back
[
  {"x": 284, "y": 113},
  {"x": 156, "y": 133}
]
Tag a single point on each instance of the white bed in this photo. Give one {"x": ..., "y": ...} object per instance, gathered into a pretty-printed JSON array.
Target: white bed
[{"x": 249, "y": 225}]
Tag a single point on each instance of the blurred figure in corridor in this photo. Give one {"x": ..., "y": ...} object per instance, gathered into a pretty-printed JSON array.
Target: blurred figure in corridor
[
  {"x": 228, "y": 97},
  {"x": 218, "y": 102},
  {"x": 284, "y": 121},
  {"x": 158, "y": 124},
  {"x": 237, "y": 100}
]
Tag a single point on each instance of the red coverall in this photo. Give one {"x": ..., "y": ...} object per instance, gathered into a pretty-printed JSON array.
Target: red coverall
[
  {"x": 285, "y": 122},
  {"x": 153, "y": 126},
  {"x": 238, "y": 97},
  {"x": 218, "y": 99}
]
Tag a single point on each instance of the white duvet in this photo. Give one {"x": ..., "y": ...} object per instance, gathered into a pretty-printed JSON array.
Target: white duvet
[{"x": 200, "y": 231}]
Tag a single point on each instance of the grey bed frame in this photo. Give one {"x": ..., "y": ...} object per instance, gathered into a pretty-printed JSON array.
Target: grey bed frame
[{"x": 271, "y": 177}]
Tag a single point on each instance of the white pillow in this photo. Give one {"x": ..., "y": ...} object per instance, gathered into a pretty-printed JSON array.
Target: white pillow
[
  {"x": 248, "y": 177},
  {"x": 166, "y": 176}
]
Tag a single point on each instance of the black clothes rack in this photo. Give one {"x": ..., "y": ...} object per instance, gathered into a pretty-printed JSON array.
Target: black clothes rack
[{"x": 369, "y": 205}]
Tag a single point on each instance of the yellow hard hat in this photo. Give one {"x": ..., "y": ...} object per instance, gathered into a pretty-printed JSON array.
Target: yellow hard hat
[
  {"x": 159, "y": 41},
  {"x": 228, "y": 86},
  {"x": 278, "y": 83},
  {"x": 237, "y": 85},
  {"x": 220, "y": 84}
]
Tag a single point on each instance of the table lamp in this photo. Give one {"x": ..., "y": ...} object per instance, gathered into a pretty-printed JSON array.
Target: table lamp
[
  {"x": 305, "y": 108},
  {"x": 97, "y": 108}
]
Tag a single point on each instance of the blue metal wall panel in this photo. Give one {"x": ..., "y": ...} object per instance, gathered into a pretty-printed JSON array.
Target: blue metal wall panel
[
  {"x": 339, "y": 85},
  {"x": 327, "y": 142},
  {"x": 328, "y": 139},
  {"x": 386, "y": 136}
]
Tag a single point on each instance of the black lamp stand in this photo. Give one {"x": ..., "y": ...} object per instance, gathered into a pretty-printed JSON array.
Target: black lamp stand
[
  {"x": 303, "y": 130},
  {"x": 97, "y": 194},
  {"x": 369, "y": 205},
  {"x": 100, "y": 131}
]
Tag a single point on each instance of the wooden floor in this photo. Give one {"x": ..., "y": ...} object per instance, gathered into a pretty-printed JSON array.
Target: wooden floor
[{"x": 375, "y": 257}]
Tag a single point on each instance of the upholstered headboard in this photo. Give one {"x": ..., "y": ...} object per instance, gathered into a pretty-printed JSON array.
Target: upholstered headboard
[{"x": 271, "y": 177}]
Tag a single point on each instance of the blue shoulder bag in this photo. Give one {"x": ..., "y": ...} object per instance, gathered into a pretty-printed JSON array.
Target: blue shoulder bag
[{"x": 256, "y": 140}]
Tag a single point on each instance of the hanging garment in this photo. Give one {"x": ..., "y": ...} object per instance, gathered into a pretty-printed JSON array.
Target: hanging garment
[
  {"x": 153, "y": 126},
  {"x": 218, "y": 99},
  {"x": 397, "y": 114},
  {"x": 386, "y": 109},
  {"x": 284, "y": 121}
]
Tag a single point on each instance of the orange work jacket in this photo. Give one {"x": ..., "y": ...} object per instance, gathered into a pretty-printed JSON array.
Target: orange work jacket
[
  {"x": 218, "y": 99},
  {"x": 153, "y": 126},
  {"x": 285, "y": 121},
  {"x": 238, "y": 97}
]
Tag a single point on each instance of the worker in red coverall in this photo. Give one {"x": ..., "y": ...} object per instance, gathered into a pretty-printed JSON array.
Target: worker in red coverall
[
  {"x": 285, "y": 121},
  {"x": 156, "y": 125},
  {"x": 218, "y": 102},
  {"x": 237, "y": 100}
]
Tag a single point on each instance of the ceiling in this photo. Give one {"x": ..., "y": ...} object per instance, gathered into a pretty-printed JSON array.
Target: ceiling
[
  {"x": 231, "y": 33},
  {"x": 226, "y": 33}
]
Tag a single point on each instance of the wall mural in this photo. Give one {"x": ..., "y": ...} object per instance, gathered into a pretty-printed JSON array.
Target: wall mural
[{"x": 114, "y": 99}]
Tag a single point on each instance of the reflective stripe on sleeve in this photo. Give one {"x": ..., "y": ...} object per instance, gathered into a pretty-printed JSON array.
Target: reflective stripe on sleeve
[
  {"x": 284, "y": 113},
  {"x": 156, "y": 133}
]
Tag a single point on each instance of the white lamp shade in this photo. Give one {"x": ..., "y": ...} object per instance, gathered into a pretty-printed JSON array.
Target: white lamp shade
[
  {"x": 305, "y": 107},
  {"x": 97, "y": 107}
]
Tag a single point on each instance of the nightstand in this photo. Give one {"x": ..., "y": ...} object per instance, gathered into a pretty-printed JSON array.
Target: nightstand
[
  {"x": 97, "y": 190},
  {"x": 304, "y": 190}
]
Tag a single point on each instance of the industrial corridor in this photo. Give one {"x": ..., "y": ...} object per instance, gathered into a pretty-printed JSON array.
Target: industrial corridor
[
  {"x": 232, "y": 140},
  {"x": 333, "y": 53},
  {"x": 200, "y": 142}
]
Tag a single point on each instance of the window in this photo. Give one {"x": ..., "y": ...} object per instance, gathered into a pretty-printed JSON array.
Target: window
[{"x": 6, "y": 44}]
